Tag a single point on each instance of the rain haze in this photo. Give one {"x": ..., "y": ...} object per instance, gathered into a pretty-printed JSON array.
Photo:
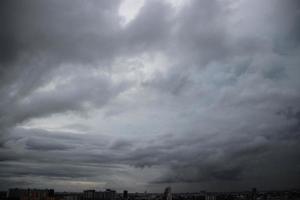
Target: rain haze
[{"x": 144, "y": 94}]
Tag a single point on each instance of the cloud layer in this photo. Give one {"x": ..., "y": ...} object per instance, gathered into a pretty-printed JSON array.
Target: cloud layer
[{"x": 196, "y": 94}]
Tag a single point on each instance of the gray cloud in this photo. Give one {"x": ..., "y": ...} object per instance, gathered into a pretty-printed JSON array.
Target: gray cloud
[{"x": 201, "y": 96}]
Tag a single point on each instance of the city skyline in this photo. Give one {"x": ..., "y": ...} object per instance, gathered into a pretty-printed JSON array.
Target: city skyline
[
  {"x": 108, "y": 194},
  {"x": 139, "y": 95}
]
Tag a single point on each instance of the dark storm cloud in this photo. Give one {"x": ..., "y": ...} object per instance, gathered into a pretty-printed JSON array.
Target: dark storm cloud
[
  {"x": 224, "y": 111},
  {"x": 201, "y": 34},
  {"x": 190, "y": 160},
  {"x": 39, "y": 37},
  {"x": 34, "y": 144},
  {"x": 61, "y": 30},
  {"x": 50, "y": 34},
  {"x": 174, "y": 83},
  {"x": 292, "y": 131},
  {"x": 228, "y": 161},
  {"x": 151, "y": 28}
]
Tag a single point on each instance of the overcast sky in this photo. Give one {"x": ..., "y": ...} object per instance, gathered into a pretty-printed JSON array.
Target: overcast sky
[{"x": 144, "y": 94}]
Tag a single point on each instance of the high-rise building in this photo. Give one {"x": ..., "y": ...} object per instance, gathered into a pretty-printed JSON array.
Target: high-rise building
[
  {"x": 210, "y": 196},
  {"x": 89, "y": 195},
  {"x": 253, "y": 194},
  {"x": 125, "y": 194},
  {"x": 109, "y": 194},
  {"x": 167, "y": 194}
]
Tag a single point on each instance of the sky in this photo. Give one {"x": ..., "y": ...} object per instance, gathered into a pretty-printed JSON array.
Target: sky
[{"x": 144, "y": 94}]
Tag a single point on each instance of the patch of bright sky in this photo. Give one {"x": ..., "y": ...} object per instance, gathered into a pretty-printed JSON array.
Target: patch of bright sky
[
  {"x": 58, "y": 122},
  {"x": 140, "y": 68},
  {"x": 53, "y": 84},
  {"x": 65, "y": 74},
  {"x": 177, "y": 4},
  {"x": 129, "y": 9}
]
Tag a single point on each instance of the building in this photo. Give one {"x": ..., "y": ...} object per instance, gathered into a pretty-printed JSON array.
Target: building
[
  {"x": 210, "y": 196},
  {"x": 69, "y": 196},
  {"x": 109, "y": 194},
  {"x": 99, "y": 195},
  {"x": 253, "y": 194},
  {"x": 3, "y": 194},
  {"x": 167, "y": 194},
  {"x": 125, "y": 194},
  {"x": 30, "y": 194},
  {"x": 89, "y": 195}
]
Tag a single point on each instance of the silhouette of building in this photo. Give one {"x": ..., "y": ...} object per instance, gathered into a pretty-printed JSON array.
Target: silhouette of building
[
  {"x": 253, "y": 194},
  {"x": 30, "y": 194},
  {"x": 99, "y": 195},
  {"x": 125, "y": 194},
  {"x": 3, "y": 194},
  {"x": 167, "y": 194},
  {"x": 210, "y": 196},
  {"x": 89, "y": 195},
  {"x": 109, "y": 194}
]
